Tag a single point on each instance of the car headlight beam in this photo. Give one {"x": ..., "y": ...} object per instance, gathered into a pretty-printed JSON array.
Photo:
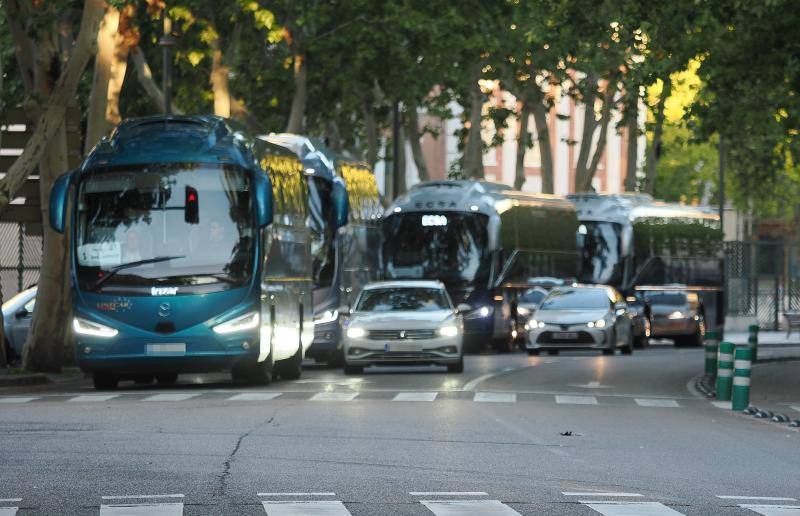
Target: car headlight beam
[
  {"x": 448, "y": 330},
  {"x": 600, "y": 323},
  {"x": 93, "y": 329},
  {"x": 244, "y": 322},
  {"x": 327, "y": 316},
  {"x": 356, "y": 332}
]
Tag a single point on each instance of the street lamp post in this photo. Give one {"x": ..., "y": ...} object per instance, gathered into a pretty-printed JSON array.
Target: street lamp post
[{"x": 167, "y": 42}]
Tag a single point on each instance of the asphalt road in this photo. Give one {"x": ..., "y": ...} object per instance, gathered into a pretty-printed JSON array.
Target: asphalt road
[{"x": 572, "y": 434}]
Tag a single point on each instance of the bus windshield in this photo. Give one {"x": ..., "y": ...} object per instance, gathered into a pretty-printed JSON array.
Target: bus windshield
[
  {"x": 601, "y": 261},
  {"x": 447, "y": 246},
  {"x": 189, "y": 226}
]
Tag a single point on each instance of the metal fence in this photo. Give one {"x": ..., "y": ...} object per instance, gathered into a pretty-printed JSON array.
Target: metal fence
[
  {"x": 762, "y": 280},
  {"x": 20, "y": 258}
]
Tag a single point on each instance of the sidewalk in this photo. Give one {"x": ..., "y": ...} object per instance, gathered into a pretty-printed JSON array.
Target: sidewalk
[
  {"x": 773, "y": 346},
  {"x": 12, "y": 377}
]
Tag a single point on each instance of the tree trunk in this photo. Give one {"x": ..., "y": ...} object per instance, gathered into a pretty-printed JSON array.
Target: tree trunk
[
  {"x": 633, "y": 145},
  {"x": 219, "y": 82},
  {"x": 333, "y": 137},
  {"x": 473, "y": 150},
  {"x": 540, "y": 109},
  {"x": 402, "y": 186},
  {"x": 24, "y": 46},
  {"x": 240, "y": 112},
  {"x": 523, "y": 139},
  {"x": 412, "y": 120},
  {"x": 145, "y": 77},
  {"x": 654, "y": 149},
  {"x": 370, "y": 129},
  {"x": 298, "y": 111},
  {"x": 587, "y": 135},
  {"x": 605, "y": 118},
  {"x": 97, "y": 120}
]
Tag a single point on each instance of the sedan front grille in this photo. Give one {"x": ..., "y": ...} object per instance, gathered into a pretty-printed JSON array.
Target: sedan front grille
[{"x": 401, "y": 334}]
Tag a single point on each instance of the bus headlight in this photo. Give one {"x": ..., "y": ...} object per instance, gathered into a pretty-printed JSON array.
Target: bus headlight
[
  {"x": 356, "y": 332},
  {"x": 448, "y": 331},
  {"x": 84, "y": 327},
  {"x": 244, "y": 322},
  {"x": 327, "y": 316}
]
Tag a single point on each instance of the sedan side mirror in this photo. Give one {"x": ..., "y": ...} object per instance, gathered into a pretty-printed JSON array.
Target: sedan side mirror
[
  {"x": 22, "y": 313},
  {"x": 620, "y": 308},
  {"x": 463, "y": 307}
]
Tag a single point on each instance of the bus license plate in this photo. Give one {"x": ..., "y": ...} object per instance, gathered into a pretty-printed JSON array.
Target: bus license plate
[
  {"x": 178, "y": 348},
  {"x": 402, "y": 347},
  {"x": 565, "y": 335}
]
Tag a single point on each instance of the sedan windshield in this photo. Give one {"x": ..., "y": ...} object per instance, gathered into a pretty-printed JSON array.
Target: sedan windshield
[
  {"x": 403, "y": 299},
  {"x": 533, "y": 296},
  {"x": 577, "y": 299},
  {"x": 601, "y": 253},
  {"x": 181, "y": 225},
  {"x": 667, "y": 298}
]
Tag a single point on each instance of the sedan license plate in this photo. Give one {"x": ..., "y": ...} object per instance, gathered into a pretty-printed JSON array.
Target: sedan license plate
[
  {"x": 176, "y": 348},
  {"x": 402, "y": 347},
  {"x": 565, "y": 335}
]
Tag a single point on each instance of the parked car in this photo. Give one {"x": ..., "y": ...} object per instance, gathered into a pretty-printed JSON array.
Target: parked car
[
  {"x": 677, "y": 315},
  {"x": 580, "y": 317},
  {"x": 403, "y": 323},
  {"x": 17, "y": 315}
]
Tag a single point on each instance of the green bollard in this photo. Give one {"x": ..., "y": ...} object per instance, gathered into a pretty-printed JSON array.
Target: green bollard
[
  {"x": 743, "y": 360},
  {"x": 724, "y": 371},
  {"x": 752, "y": 340},
  {"x": 712, "y": 346}
]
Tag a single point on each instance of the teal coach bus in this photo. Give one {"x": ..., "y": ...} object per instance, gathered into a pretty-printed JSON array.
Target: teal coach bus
[{"x": 190, "y": 251}]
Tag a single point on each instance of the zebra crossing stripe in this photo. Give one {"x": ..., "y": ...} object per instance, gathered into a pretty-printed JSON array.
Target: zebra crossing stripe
[
  {"x": 92, "y": 398},
  {"x": 415, "y": 396},
  {"x": 495, "y": 397},
  {"x": 255, "y": 396},
  {"x": 172, "y": 396},
  {"x": 773, "y": 510},
  {"x": 142, "y": 509},
  {"x": 617, "y": 508},
  {"x": 576, "y": 400},
  {"x": 469, "y": 508},
  {"x": 17, "y": 399},
  {"x": 656, "y": 402},
  {"x": 8, "y": 511},
  {"x": 334, "y": 396},
  {"x": 796, "y": 408},
  {"x": 316, "y": 508}
]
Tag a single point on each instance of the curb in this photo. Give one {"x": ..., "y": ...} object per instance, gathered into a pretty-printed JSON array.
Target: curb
[
  {"x": 23, "y": 379},
  {"x": 767, "y": 360},
  {"x": 706, "y": 386}
]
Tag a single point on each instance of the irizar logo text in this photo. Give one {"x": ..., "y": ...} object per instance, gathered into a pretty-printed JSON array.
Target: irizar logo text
[{"x": 164, "y": 291}]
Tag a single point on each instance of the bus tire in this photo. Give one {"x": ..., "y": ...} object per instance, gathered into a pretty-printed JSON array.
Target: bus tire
[
  {"x": 353, "y": 369},
  {"x": 166, "y": 379},
  {"x": 292, "y": 367},
  {"x": 458, "y": 367},
  {"x": 104, "y": 381}
]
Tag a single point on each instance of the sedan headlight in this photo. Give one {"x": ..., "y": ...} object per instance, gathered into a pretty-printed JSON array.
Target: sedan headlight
[
  {"x": 327, "y": 316},
  {"x": 600, "y": 323},
  {"x": 244, "y": 322},
  {"x": 521, "y": 310},
  {"x": 448, "y": 331},
  {"x": 84, "y": 327},
  {"x": 677, "y": 314},
  {"x": 356, "y": 333}
]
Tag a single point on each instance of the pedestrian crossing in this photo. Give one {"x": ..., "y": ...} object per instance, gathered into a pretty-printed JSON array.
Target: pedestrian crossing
[{"x": 437, "y": 503}]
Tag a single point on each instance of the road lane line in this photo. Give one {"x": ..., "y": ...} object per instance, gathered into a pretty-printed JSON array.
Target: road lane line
[
  {"x": 10, "y": 500},
  {"x": 601, "y": 494},
  {"x": 796, "y": 408},
  {"x": 8, "y": 511},
  {"x": 142, "y": 509},
  {"x": 18, "y": 399},
  {"x": 92, "y": 398},
  {"x": 759, "y": 498},
  {"x": 773, "y": 510},
  {"x": 141, "y": 497},
  {"x": 469, "y": 508},
  {"x": 576, "y": 400},
  {"x": 722, "y": 404},
  {"x": 415, "y": 396},
  {"x": 296, "y": 494},
  {"x": 317, "y": 508},
  {"x": 255, "y": 396},
  {"x": 334, "y": 396},
  {"x": 470, "y": 385},
  {"x": 656, "y": 402},
  {"x": 631, "y": 508},
  {"x": 447, "y": 493},
  {"x": 175, "y": 396},
  {"x": 495, "y": 397}
]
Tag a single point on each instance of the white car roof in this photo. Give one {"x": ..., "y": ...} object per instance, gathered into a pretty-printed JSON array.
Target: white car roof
[{"x": 405, "y": 284}]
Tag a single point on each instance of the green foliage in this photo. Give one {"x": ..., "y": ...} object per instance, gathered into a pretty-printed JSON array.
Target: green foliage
[{"x": 688, "y": 169}]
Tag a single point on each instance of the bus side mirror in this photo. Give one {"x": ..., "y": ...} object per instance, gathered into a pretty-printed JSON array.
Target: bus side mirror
[
  {"x": 341, "y": 205},
  {"x": 58, "y": 202},
  {"x": 264, "y": 201}
]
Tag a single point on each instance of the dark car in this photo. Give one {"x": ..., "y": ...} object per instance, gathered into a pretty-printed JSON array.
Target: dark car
[
  {"x": 527, "y": 302},
  {"x": 639, "y": 310},
  {"x": 17, "y": 314},
  {"x": 677, "y": 315}
]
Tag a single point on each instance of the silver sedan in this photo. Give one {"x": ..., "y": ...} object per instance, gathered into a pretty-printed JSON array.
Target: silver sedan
[
  {"x": 403, "y": 323},
  {"x": 580, "y": 317}
]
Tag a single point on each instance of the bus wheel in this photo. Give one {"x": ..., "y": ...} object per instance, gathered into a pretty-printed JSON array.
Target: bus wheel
[
  {"x": 167, "y": 378},
  {"x": 104, "y": 381},
  {"x": 292, "y": 367}
]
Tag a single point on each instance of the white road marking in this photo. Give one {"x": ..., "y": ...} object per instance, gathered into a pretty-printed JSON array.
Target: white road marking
[
  {"x": 10, "y": 500},
  {"x": 141, "y": 497},
  {"x": 447, "y": 493},
  {"x": 334, "y": 396},
  {"x": 320, "y": 508},
  {"x": 796, "y": 407},
  {"x": 174, "y": 396},
  {"x": 415, "y": 396},
  {"x": 759, "y": 498},
  {"x": 296, "y": 494},
  {"x": 17, "y": 399},
  {"x": 631, "y": 508},
  {"x": 591, "y": 385},
  {"x": 601, "y": 494},
  {"x": 656, "y": 402},
  {"x": 89, "y": 398},
  {"x": 142, "y": 509},
  {"x": 773, "y": 510},
  {"x": 8, "y": 511},
  {"x": 255, "y": 396},
  {"x": 495, "y": 397},
  {"x": 727, "y": 405},
  {"x": 469, "y": 508},
  {"x": 576, "y": 400}
]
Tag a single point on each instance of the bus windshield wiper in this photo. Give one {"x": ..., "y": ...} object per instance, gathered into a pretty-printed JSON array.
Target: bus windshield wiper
[{"x": 130, "y": 265}]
